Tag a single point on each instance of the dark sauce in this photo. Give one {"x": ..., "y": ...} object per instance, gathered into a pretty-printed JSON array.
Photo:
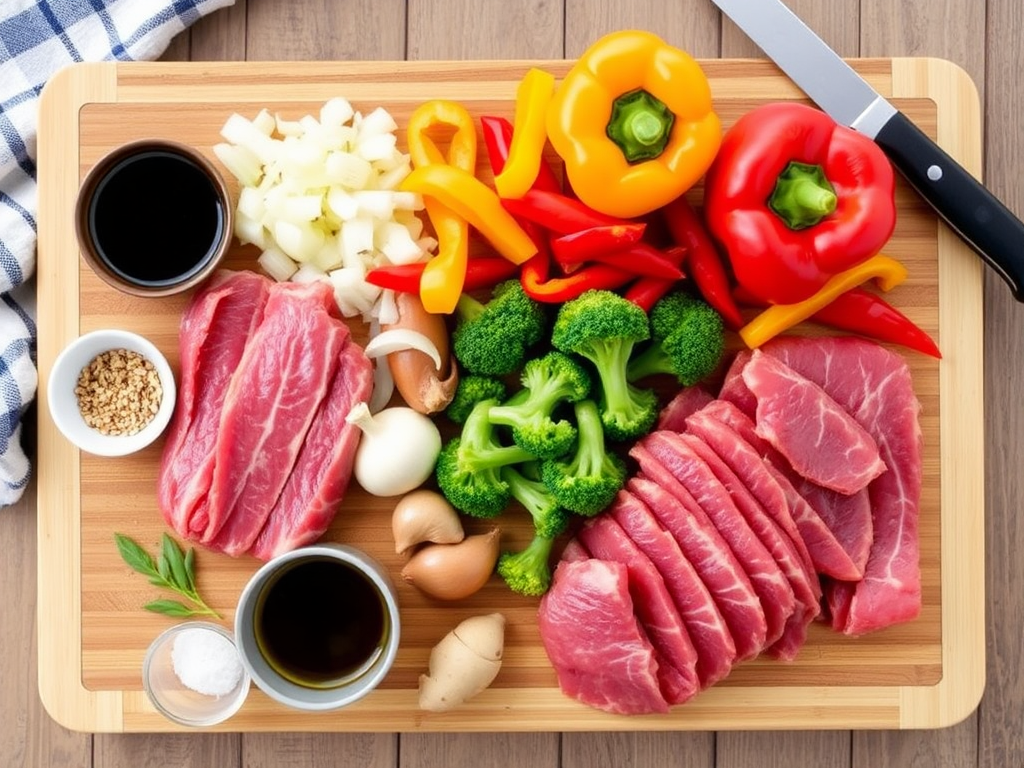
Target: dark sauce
[
  {"x": 321, "y": 623},
  {"x": 156, "y": 218}
]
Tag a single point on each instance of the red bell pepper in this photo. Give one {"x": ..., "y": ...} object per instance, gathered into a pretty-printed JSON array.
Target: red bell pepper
[
  {"x": 646, "y": 291},
  {"x": 556, "y": 212},
  {"x": 534, "y": 277},
  {"x": 498, "y": 138},
  {"x": 577, "y": 247},
  {"x": 795, "y": 198},
  {"x": 702, "y": 260},
  {"x": 481, "y": 272}
]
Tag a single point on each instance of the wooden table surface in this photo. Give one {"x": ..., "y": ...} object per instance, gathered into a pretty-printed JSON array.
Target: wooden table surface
[{"x": 982, "y": 36}]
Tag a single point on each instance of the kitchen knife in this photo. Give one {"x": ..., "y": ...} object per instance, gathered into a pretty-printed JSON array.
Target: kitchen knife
[{"x": 972, "y": 211}]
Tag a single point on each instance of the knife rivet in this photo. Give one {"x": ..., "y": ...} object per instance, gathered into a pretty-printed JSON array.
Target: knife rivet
[{"x": 934, "y": 172}]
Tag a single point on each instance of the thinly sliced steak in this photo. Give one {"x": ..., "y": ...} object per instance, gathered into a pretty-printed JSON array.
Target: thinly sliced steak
[
  {"x": 215, "y": 327},
  {"x": 876, "y": 387},
  {"x": 709, "y": 554},
  {"x": 690, "y": 399},
  {"x": 281, "y": 380},
  {"x": 677, "y": 658},
  {"x": 819, "y": 439},
  {"x": 693, "y": 473},
  {"x": 716, "y": 650},
  {"x": 600, "y": 653},
  {"x": 317, "y": 483}
]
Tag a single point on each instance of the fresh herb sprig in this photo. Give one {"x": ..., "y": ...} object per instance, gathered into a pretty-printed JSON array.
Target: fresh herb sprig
[{"x": 173, "y": 569}]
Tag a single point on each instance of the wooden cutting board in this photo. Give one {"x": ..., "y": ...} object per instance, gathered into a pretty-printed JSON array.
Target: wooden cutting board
[{"x": 92, "y": 631}]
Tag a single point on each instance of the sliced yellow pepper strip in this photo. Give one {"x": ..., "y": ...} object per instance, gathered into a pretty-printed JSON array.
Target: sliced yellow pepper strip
[
  {"x": 528, "y": 134},
  {"x": 470, "y": 198},
  {"x": 444, "y": 275},
  {"x": 771, "y": 322}
]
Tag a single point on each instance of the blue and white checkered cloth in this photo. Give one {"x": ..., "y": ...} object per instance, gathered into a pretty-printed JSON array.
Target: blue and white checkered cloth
[{"x": 38, "y": 37}]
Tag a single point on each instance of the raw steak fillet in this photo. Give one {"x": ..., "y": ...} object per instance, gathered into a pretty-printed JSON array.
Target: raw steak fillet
[
  {"x": 283, "y": 376},
  {"x": 704, "y": 622},
  {"x": 847, "y": 517},
  {"x": 710, "y": 556},
  {"x": 690, "y": 399},
  {"x": 821, "y": 441},
  {"x": 731, "y": 435},
  {"x": 600, "y": 653},
  {"x": 693, "y": 473},
  {"x": 874, "y": 385},
  {"x": 215, "y": 327},
  {"x": 677, "y": 658},
  {"x": 316, "y": 486}
]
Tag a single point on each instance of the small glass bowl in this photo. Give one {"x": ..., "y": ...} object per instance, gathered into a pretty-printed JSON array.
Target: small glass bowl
[
  {"x": 172, "y": 698},
  {"x": 64, "y": 405}
]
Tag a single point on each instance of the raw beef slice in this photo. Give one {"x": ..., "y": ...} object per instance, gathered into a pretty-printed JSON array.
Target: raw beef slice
[
  {"x": 599, "y": 651},
  {"x": 821, "y": 441}
]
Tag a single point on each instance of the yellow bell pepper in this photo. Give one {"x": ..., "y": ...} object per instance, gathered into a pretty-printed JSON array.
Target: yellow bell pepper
[
  {"x": 634, "y": 123},
  {"x": 528, "y": 134},
  {"x": 771, "y": 322},
  {"x": 444, "y": 275},
  {"x": 477, "y": 203}
]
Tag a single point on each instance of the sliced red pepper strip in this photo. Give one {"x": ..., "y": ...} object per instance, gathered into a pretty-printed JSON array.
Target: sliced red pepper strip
[
  {"x": 481, "y": 272},
  {"x": 584, "y": 245},
  {"x": 498, "y": 139},
  {"x": 646, "y": 291},
  {"x": 556, "y": 212},
  {"x": 703, "y": 262},
  {"x": 640, "y": 259},
  {"x": 534, "y": 278}
]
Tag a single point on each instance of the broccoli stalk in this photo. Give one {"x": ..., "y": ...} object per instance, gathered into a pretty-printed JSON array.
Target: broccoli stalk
[
  {"x": 470, "y": 391},
  {"x": 492, "y": 339},
  {"x": 547, "y": 381},
  {"x": 687, "y": 341},
  {"x": 468, "y": 467},
  {"x": 603, "y": 327},
  {"x": 528, "y": 571},
  {"x": 587, "y": 482}
]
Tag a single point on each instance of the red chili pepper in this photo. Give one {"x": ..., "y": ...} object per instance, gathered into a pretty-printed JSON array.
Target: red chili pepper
[
  {"x": 481, "y": 272},
  {"x": 577, "y": 247},
  {"x": 640, "y": 259},
  {"x": 702, "y": 260},
  {"x": 795, "y": 198},
  {"x": 498, "y": 138},
  {"x": 866, "y": 313},
  {"x": 534, "y": 278},
  {"x": 646, "y": 291},
  {"x": 556, "y": 212}
]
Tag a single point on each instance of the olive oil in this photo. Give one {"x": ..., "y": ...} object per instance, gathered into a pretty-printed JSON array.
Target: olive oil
[
  {"x": 321, "y": 623},
  {"x": 156, "y": 218}
]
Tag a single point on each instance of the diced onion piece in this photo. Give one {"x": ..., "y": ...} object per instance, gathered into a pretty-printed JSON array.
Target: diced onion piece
[
  {"x": 394, "y": 241},
  {"x": 329, "y": 257},
  {"x": 375, "y": 203},
  {"x": 391, "y": 179},
  {"x": 301, "y": 243},
  {"x": 288, "y": 127},
  {"x": 400, "y": 339},
  {"x": 410, "y": 221},
  {"x": 249, "y": 231},
  {"x": 375, "y": 146},
  {"x": 379, "y": 122},
  {"x": 342, "y": 204},
  {"x": 241, "y": 163},
  {"x": 336, "y": 111},
  {"x": 308, "y": 273},
  {"x": 264, "y": 122},
  {"x": 386, "y": 308},
  {"x": 303, "y": 207},
  {"x": 407, "y": 201},
  {"x": 356, "y": 239},
  {"x": 250, "y": 203},
  {"x": 348, "y": 170},
  {"x": 353, "y": 294},
  {"x": 277, "y": 265},
  {"x": 241, "y": 132}
]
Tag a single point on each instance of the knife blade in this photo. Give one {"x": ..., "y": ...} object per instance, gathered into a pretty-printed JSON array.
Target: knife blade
[{"x": 971, "y": 210}]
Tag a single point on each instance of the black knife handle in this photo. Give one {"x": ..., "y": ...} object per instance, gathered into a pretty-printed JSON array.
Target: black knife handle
[{"x": 972, "y": 211}]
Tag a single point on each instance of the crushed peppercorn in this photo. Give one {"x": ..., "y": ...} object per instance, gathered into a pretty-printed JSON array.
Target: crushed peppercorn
[{"x": 118, "y": 392}]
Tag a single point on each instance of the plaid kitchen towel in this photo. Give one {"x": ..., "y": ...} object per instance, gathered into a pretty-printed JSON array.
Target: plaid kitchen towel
[{"x": 38, "y": 37}]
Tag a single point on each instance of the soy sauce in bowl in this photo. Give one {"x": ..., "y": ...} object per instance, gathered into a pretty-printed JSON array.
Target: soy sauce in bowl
[{"x": 153, "y": 218}]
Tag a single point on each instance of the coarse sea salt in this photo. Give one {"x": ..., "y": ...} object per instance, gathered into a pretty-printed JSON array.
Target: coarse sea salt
[{"x": 206, "y": 662}]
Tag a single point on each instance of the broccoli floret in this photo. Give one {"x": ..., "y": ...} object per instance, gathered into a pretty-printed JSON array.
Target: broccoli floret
[
  {"x": 492, "y": 339},
  {"x": 603, "y": 327},
  {"x": 547, "y": 381},
  {"x": 470, "y": 391},
  {"x": 549, "y": 519},
  {"x": 587, "y": 482},
  {"x": 687, "y": 341},
  {"x": 468, "y": 468},
  {"x": 528, "y": 571}
]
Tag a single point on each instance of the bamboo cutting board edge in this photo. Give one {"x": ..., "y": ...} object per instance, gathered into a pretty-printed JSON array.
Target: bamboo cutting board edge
[{"x": 962, "y": 537}]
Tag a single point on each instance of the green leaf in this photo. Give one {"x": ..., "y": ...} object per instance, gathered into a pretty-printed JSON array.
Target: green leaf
[
  {"x": 135, "y": 556},
  {"x": 163, "y": 568},
  {"x": 169, "y": 608},
  {"x": 190, "y": 569},
  {"x": 177, "y": 563}
]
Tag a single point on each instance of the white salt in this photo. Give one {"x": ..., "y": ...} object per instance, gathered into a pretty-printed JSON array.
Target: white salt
[{"x": 206, "y": 662}]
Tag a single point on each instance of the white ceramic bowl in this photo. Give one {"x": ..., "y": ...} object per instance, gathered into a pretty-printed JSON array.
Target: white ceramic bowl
[
  {"x": 176, "y": 701},
  {"x": 60, "y": 391}
]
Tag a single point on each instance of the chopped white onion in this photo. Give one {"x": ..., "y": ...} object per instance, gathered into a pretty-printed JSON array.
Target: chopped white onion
[
  {"x": 277, "y": 265},
  {"x": 383, "y": 385},
  {"x": 400, "y": 339}
]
